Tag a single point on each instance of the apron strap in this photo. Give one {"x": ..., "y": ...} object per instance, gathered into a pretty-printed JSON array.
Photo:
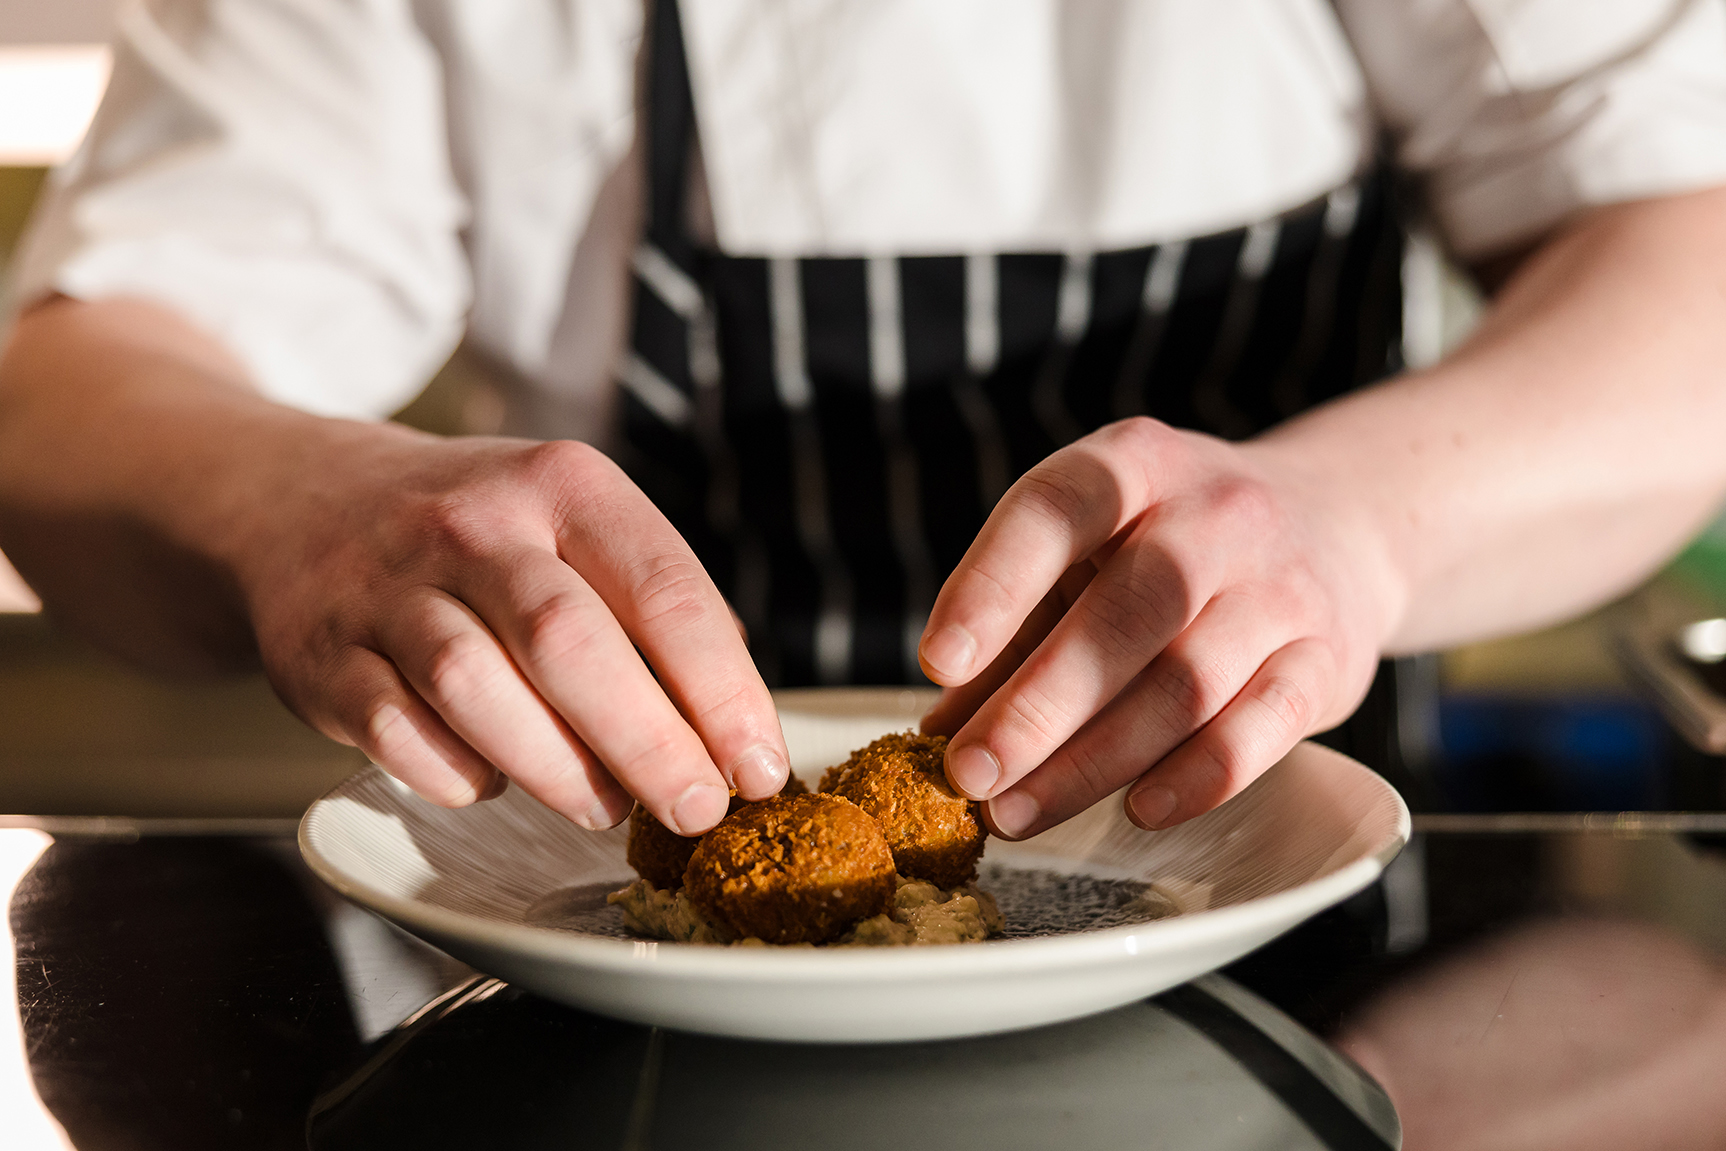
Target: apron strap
[{"x": 670, "y": 133}]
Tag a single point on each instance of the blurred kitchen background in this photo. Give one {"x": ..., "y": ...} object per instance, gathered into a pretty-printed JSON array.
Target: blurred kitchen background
[{"x": 1541, "y": 722}]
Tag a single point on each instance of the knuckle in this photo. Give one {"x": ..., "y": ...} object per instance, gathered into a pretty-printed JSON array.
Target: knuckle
[
  {"x": 473, "y": 517},
  {"x": 572, "y": 474},
  {"x": 988, "y": 594},
  {"x": 456, "y": 523},
  {"x": 301, "y": 655},
  {"x": 1127, "y": 602},
  {"x": 1287, "y": 702},
  {"x": 670, "y": 589},
  {"x": 1225, "y": 763},
  {"x": 559, "y": 461},
  {"x": 1288, "y": 598},
  {"x": 737, "y": 701},
  {"x": 1191, "y": 690},
  {"x": 1054, "y": 492},
  {"x": 1170, "y": 580},
  {"x": 1246, "y": 503},
  {"x": 1140, "y": 448},
  {"x": 1120, "y": 603},
  {"x": 560, "y": 625},
  {"x": 330, "y": 641},
  {"x": 1140, "y": 434},
  {"x": 1093, "y": 776},
  {"x": 1114, "y": 635},
  {"x": 460, "y": 668},
  {"x": 338, "y": 694},
  {"x": 1037, "y": 719}
]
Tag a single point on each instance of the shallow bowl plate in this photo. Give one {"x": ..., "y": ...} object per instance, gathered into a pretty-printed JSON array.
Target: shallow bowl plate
[{"x": 517, "y": 892}]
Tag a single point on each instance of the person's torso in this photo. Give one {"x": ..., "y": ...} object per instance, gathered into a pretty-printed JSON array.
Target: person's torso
[
  {"x": 898, "y": 126},
  {"x": 829, "y": 425}
]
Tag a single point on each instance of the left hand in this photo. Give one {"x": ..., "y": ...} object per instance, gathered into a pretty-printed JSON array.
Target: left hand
[{"x": 1157, "y": 606}]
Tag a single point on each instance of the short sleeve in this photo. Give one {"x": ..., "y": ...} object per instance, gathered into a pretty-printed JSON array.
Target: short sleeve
[
  {"x": 1516, "y": 113},
  {"x": 277, "y": 171}
]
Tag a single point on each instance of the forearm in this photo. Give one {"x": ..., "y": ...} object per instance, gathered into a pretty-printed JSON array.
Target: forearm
[
  {"x": 1567, "y": 449},
  {"x": 133, "y": 456},
  {"x": 455, "y": 608}
]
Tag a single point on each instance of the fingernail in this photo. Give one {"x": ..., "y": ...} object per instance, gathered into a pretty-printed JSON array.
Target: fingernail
[
  {"x": 759, "y": 772},
  {"x": 499, "y": 785},
  {"x": 973, "y": 770},
  {"x": 699, "y": 807},
  {"x": 1152, "y": 806},
  {"x": 1012, "y": 812},
  {"x": 598, "y": 817},
  {"x": 464, "y": 792},
  {"x": 949, "y": 652}
]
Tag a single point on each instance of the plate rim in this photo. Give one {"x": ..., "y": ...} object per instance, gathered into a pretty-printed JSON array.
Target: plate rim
[{"x": 1097, "y": 947}]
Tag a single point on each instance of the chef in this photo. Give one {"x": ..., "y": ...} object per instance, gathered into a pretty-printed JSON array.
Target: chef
[{"x": 1048, "y": 350}]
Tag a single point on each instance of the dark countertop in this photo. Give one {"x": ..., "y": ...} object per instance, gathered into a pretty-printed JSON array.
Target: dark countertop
[
  {"x": 194, "y": 991},
  {"x": 1526, "y": 980}
]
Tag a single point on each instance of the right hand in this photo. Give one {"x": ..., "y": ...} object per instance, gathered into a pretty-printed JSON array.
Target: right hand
[{"x": 467, "y": 610}]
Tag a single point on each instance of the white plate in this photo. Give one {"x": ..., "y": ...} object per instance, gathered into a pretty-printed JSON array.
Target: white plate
[{"x": 484, "y": 883}]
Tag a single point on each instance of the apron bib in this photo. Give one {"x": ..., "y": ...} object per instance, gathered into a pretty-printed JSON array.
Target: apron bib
[{"x": 829, "y": 434}]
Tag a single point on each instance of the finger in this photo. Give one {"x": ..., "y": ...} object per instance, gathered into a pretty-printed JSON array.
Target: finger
[
  {"x": 1057, "y": 513},
  {"x": 1177, "y": 694},
  {"x": 373, "y": 708},
  {"x": 1143, "y": 597},
  {"x": 668, "y": 606},
  {"x": 566, "y": 642},
  {"x": 957, "y": 704},
  {"x": 458, "y": 667},
  {"x": 1276, "y": 709}
]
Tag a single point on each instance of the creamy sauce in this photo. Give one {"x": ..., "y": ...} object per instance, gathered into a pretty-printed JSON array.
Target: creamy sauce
[
  {"x": 922, "y": 915},
  {"x": 666, "y": 915}
]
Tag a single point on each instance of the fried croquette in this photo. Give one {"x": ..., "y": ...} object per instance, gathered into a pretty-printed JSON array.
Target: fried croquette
[
  {"x": 660, "y": 855},
  {"x": 934, "y": 832},
  {"x": 796, "y": 869}
]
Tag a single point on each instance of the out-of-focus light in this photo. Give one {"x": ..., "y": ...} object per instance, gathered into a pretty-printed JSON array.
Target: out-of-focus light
[
  {"x": 48, "y": 95},
  {"x": 15, "y": 594},
  {"x": 28, "y": 1125},
  {"x": 1704, "y": 641}
]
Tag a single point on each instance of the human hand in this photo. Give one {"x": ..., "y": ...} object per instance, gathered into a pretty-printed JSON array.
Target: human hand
[
  {"x": 459, "y": 609},
  {"x": 1156, "y": 606}
]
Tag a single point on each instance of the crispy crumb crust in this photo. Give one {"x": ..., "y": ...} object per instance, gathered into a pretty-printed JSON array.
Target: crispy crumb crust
[
  {"x": 901, "y": 781},
  {"x": 660, "y": 855},
  {"x": 796, "y": 869}
]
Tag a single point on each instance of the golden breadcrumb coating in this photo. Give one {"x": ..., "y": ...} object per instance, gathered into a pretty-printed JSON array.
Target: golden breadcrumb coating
[
  {"x": 796, "y": 869},
  {"x": 900, "y": 780},
  {"x": 660, "y": 855}
]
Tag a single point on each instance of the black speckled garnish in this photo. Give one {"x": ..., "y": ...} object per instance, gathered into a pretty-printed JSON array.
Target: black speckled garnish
[
  {"x": 1038, "y": 901},
  {"x": 1033, "y": 901}
]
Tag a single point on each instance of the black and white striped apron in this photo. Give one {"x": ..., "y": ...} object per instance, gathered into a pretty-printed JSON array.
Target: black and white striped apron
[{"x": 830, "y": 433}]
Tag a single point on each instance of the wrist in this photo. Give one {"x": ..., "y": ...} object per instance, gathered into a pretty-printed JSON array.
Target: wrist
[
  {"x": 1349, "y": 523},
  {"x": 292, "y": 486}
]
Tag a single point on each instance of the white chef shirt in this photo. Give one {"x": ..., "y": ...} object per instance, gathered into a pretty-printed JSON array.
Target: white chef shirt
[{"x": 339, "y": 189}]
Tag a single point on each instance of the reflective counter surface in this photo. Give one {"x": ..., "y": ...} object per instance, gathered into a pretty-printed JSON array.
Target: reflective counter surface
[{"x": 1527, "y": 982}]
